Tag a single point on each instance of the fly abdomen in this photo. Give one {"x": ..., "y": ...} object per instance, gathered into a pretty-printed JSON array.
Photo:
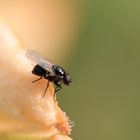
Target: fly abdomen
[{"x": 38, "y": 70}]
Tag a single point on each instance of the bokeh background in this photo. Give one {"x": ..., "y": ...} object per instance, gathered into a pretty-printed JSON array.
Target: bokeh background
[{"x": 98, "y": 42}]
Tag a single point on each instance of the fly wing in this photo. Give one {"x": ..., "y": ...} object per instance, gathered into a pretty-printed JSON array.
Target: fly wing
[{"x": 40, "y": 60}]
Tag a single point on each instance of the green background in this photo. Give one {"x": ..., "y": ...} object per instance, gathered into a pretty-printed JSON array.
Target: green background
[{"x": 104, "y": 101}]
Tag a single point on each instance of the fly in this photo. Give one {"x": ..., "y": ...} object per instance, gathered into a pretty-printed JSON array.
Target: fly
[{"x": 47, "y": 69}]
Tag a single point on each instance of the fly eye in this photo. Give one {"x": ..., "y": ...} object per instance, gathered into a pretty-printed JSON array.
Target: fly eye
[{"x": 67, "y": 79}]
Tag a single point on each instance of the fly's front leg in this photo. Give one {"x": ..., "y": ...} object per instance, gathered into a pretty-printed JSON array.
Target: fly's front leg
[{"x": 58, "y": 86}]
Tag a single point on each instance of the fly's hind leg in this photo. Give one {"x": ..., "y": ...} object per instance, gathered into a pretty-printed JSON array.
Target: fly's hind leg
[{"x": 37, "y": 79}]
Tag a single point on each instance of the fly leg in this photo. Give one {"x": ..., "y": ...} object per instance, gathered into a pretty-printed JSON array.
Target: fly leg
[
  {"x": 46, "y": 89},
  {"x": 37, "y": 79},
  {"x": 58, "y": 86}
]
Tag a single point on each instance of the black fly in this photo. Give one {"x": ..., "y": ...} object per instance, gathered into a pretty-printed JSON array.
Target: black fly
[{"x": 47, "y": 69}]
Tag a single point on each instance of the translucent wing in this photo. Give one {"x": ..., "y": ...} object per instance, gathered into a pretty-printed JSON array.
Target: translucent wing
[{"x": 39, "y": 59}]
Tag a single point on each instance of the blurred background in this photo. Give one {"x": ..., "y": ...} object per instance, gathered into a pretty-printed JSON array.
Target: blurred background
[{"x": 98, "y": 43}]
